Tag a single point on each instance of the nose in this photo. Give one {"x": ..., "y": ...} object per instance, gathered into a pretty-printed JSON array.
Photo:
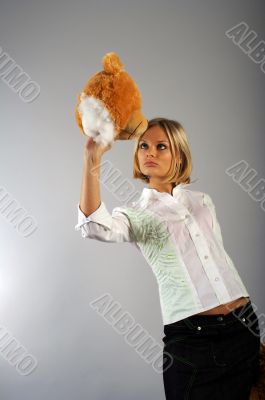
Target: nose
[{"x": 150, "y": 152}]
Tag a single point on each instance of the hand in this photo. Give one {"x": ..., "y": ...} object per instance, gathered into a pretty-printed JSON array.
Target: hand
[{"x": 94, "y": 150}]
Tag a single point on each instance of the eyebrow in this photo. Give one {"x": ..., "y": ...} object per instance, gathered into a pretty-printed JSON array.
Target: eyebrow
[{"x": 158, "y": 141}]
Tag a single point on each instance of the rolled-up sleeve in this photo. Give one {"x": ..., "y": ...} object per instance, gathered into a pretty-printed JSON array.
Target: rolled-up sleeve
[{"x": 103, "y": 226}]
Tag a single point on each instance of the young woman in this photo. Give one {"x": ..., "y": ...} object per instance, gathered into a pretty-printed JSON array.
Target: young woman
[{"x": 212, "y": 336}]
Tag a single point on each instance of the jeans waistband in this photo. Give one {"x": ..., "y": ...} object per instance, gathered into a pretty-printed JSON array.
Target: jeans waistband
[{"x": 244, "y": 313}]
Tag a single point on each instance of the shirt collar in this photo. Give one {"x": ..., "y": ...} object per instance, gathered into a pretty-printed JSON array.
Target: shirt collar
[{"x": 149, "y": 194}]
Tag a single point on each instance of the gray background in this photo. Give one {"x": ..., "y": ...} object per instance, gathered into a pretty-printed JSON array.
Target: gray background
[{"x": 186, "y": 69}]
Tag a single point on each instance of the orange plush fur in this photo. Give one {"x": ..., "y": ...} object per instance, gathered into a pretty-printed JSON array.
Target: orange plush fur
[{"x": 109, "y": 106}]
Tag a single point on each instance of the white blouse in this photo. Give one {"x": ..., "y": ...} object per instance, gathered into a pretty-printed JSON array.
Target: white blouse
[{"x": 181, "y": 240}]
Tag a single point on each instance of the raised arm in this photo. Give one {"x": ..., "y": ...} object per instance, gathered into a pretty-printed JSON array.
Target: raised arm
[
  {"x": 90, "y": 189},
  {"x": 94, "y": 220}
]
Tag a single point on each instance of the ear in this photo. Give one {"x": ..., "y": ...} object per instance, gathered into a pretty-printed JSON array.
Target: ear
[{"x": 135, "y": 127}]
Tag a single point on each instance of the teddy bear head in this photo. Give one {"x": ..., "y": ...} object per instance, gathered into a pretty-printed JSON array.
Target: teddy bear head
[{"x": 109, "y": 106}]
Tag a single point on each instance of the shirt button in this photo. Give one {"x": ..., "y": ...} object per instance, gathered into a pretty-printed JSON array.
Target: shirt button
[
  {"x": 199, "y": 328},
  {"x": 197, "y": 234},
  {"x": 216, "y": 279},
  {"x": 187, "y": 216},
  {"x": 205, "y": 257},
  {"x": 220, "y": 318}
]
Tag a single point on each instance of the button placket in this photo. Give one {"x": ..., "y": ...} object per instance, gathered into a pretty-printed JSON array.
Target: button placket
[
  {"x": 202, "y": 247},
  {"x": 200, "y": 243},
  {"x": 206, "y": 263}
]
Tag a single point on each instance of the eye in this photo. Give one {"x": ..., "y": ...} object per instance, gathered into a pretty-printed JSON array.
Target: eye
[{"x": 161, "y": 144}]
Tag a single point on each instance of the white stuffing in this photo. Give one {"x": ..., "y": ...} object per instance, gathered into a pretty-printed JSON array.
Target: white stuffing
[{"x": 96, "y": 120}]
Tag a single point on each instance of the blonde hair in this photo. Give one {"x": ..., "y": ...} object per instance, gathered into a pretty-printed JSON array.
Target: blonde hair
[{"x": 181, "y": 166}]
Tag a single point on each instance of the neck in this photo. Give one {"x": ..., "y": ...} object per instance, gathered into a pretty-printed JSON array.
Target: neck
[{"x": 168, "y": 188}]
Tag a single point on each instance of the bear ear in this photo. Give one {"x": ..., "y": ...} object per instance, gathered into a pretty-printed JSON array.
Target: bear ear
[
  {"x": 112, "y": 63},
  {"x": 124, "y": 135},
  {"x": 135, "y": 127}
]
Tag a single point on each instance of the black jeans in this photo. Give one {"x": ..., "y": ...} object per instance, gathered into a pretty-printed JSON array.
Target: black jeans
[{"x": 212, "y": 356}]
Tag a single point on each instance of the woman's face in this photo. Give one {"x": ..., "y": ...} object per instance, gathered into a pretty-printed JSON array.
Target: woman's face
[{"x": 154, "y": 146}]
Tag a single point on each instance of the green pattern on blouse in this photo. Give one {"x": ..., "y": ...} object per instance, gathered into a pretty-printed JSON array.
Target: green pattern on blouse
[{"x": 158, "y": 247}]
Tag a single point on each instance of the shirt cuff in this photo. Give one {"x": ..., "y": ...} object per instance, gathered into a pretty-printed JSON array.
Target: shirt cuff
[{"x": 100, "y": 216}]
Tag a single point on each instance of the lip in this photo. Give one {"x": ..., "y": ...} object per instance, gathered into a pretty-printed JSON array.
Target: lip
[{"x": 149, "y": 163}]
